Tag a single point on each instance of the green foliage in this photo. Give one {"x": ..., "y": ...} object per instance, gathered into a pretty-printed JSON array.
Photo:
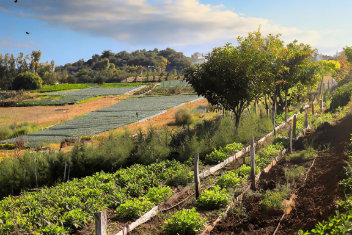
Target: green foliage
[
  {"x": 158, "y": 194},
  {"x": 184, "y": 222},
  {"x": 266, "y": 155},
  {"x": 183, "y": 117},
  {"x": 15, "y": 130},
  {"x": 27, "y": 81},
  {"x": 293, "y": 174},
  {"x": 230, "y": 179},
  {"x": 181, "y": 177},
  {"x": 309, "y": 152},
  {"x": 64, "y": 87},
  {"x": 213, "y": 198},
  {"x": 134, "y": 208},
  {"x": 217, "y": 156},
  {"x": 7, "y": 146},
  {"x": 341, "y": 97},
  {"x": 274, "y": 199}
]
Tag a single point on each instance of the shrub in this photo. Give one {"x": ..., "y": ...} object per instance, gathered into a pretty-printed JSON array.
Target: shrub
[
  {"x": 158, "y": 194},
  {"x": 341, "y": 97},
  {"x": 183, "y": 117},
  {"x": 7, "y": 146},
  {"x": 213, "y": 198},
  {"x": 134, "y": 208},
  {"x": 184, "y": 222},
  {"x": 230, "y": 179},
  {"x": 182, "y": 177},
  {"x": 233, "y": 148},
  {"x": 75, "y": 219},
  {"x": 218, "y": 155},
  {"x": 27, "y": 81}
]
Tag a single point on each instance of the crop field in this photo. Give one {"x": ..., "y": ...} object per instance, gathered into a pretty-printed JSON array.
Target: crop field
[
  {"x": 71, "y": 97},
  {"x": 108, "y": 118}
]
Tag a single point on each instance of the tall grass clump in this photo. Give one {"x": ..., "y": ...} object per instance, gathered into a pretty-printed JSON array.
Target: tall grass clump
[{"x": 17, "y": 129}]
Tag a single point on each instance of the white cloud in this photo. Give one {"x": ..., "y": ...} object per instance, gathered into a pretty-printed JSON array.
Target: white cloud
[{"x": 165, "y": 23}]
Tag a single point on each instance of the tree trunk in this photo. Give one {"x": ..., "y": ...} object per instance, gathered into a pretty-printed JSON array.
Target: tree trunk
[{"x": 285, "y": 106}]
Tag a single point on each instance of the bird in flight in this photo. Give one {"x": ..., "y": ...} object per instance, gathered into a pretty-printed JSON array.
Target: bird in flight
[
  {"x": 27, "y": 33},
  {"x": 15, "y": 1}
]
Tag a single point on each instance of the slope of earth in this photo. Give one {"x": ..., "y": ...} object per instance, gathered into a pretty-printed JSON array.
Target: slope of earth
[{"x": 316, "y": 196}]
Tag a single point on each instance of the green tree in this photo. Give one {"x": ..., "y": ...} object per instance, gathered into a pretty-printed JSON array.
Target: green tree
[
  {"x": 27, "y": 81},
  {"x": 229, "y": 77},
  {"x": 348, "y": 53}
]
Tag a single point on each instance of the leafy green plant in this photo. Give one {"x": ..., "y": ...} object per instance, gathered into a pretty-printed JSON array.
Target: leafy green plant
[
  {"x": 229, "y": 179},
  {"x": 213, "y": 198},
  {"x": 184, "y": 222},
  {"x": 158, "y": 194},
  {"x": 217, "y": 156},
  {"x": 182, "y": 177},
  {"x": 133, "y": 208},
  {"x": 293, "y": 174}
]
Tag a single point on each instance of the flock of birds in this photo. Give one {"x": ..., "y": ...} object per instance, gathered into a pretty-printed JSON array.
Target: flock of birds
[{"x": 15, "y": 1}]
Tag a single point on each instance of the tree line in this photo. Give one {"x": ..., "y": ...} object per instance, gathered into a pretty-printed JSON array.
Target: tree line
[
  {"x": 107, "y": 67},
  {"x": 260, "y": 68}
]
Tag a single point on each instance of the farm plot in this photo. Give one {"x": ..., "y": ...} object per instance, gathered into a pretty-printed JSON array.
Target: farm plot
[
  {"x": 108, "y": 118},
  {"x": 71, "y": 97}
]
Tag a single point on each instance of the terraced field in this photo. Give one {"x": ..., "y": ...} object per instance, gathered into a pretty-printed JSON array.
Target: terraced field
[
  {"x": 108, "y": 118},
  {"x": 71, "y": 97}
]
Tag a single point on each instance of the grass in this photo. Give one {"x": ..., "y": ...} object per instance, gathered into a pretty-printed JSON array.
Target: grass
[
  {"x": 308, "y": 153},
  {"x": 64, "y": 87},
  {"x": 118, "y": 85},
  {"x": 293, "y": 174},
  {"x": 15, "y": 130},
  {"x": 273, "y": 199}
]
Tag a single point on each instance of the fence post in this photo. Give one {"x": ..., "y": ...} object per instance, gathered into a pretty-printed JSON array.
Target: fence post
[
  {"x": 313, "y": 106},
  {"x": 252, "y": 164},
  {"x": 64, "y": 178},
  {"x": 294, "y": 127},
  {"x": 290, "y": 137},
  {"x": 196, "y": 175},
  {"x": 100, "y": 223},
  {"x": 322, "y": 103},
  {"x": 306, "y": 119}
]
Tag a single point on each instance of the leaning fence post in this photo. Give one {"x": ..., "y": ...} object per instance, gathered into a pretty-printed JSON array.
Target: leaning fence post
[
  {"x": 100, "y": 223},
  {"x": 290, "y": 138},
  {"x": 294, "y": 126},
  {"x": 196, "y": 175},
  {"x": 252, "y": 164}
]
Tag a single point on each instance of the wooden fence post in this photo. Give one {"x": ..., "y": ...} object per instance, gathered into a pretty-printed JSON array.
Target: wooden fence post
[
  {"x": 294, "y": 127},
  {"x": 196, "y": 175},
  {"x": 322, "y": 103},
  {"x": 64, "y": 178},
  {"x": 252, "y": 164},
  {"x": 100, "y": 223},
  {"x": 290, "y": 138},
  {"x": 313, "y": 106},
  {"x": 306, "y": 119}
]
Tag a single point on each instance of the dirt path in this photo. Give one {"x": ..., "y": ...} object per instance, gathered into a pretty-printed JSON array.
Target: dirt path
[{"x": 315, "y": 198}]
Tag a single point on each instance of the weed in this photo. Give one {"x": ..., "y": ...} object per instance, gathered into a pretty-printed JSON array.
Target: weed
[
  {"x": 274, "y": 199},
  {"x": 184, "y": 222}
]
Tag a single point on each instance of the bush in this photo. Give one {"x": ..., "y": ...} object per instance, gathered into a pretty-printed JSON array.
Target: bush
[
  {"x": 341, "y": 97},
  {"x": 184, "y": 222},
  {"x": 216, "y": 156},
  {"x": 182, "y": 178},
  {"x": 183, "y": 117},
  {"x": 233, "y": 148},
  {"x": 27, "y": 81},
  {"x": 230, "y": 179},
  {"x": 134, "y": 208},
  {"x": 213, "y": 198},
  {"x": 159, "y": 194}
]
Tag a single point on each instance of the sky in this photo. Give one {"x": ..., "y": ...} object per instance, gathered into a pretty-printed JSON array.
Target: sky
[{"x": 68, "y": 30}]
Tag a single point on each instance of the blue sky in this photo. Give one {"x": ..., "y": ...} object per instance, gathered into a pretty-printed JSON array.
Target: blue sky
[{"x": 67, "y": 30}]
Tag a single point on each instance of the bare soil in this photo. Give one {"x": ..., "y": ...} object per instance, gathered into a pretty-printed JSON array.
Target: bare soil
[{"x": 316, "y": 196}]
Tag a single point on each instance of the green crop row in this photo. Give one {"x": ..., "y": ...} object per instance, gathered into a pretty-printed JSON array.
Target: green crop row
[{"x": 70, "y": 206}]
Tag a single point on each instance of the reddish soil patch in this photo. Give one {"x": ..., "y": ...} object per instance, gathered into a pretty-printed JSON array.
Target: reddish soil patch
[{"x": 315, "y": 198}]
